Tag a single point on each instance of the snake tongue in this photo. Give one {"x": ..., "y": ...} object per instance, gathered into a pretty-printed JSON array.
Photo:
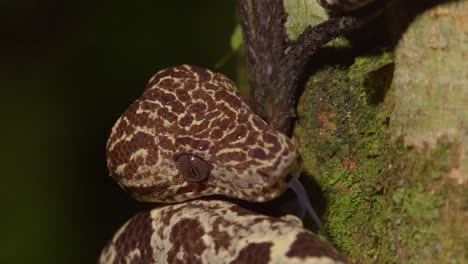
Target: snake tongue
[{"x": 304, "y": 202}]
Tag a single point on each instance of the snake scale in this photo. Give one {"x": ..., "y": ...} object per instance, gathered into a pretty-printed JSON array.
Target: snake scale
[
  {"x": 191, "y": 135},
  {"x": 191, "y": 113}
]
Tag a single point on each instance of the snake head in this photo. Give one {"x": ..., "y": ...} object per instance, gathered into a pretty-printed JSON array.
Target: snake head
[{"x": 191, "y": 134}]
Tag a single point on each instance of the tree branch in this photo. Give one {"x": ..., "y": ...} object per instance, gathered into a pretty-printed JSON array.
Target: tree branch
[{"x": 277, "y": 67}]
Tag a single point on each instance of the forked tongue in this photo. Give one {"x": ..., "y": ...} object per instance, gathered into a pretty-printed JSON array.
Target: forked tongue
[{"x": 304, "y": 202}]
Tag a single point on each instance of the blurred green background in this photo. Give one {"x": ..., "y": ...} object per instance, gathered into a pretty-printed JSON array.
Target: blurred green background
[{"x": 67, "y": 71}]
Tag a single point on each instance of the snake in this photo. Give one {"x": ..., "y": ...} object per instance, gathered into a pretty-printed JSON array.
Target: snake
[
  {"x": 344, "y": 5},
  {"x": 192, "y": 136}
]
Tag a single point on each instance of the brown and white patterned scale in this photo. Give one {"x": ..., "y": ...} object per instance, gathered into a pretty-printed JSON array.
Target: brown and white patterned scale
[
  {"x": 191, "y": 135},
  {"x": 215, "y": 232},
  {"x": 192, "y": 115}
]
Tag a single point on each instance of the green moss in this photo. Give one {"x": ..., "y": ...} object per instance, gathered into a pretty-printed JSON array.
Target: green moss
[
  {"x": 383, "y": 197},
  {"x": 363, "y": 66},
  {"x": 423, "y": 207},
  {"x": 415, "y": 230},
  {"x": 392, "y": 164},
  {"x": 344, "y": 143}
]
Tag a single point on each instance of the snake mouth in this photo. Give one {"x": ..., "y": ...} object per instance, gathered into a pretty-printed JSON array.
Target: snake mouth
[{"x": 277, "y": 184}]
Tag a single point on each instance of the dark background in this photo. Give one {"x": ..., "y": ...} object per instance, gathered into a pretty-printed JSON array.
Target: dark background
[{"x": 67, "y": 71}]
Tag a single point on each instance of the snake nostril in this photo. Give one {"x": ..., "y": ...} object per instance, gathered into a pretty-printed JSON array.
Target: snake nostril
[{"x": 264, "y": 174}]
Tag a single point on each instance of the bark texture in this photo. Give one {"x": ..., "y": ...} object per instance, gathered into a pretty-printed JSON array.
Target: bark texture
[
  {"x": 277, "y": 66},
  {"x": 383, "y": 127}
]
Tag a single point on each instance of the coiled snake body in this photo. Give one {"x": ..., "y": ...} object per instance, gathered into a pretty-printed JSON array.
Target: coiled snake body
[{"x": 191, "y": 135}]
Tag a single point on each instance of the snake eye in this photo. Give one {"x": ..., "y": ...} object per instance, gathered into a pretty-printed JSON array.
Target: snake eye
[{"x": 192, "y": 168}]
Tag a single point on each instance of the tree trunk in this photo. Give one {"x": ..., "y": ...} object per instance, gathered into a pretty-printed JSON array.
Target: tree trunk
[{"x": 383, "y": 127}]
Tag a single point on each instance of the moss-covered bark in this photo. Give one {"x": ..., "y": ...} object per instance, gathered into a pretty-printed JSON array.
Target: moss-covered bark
[{"x": 384, "y": 132}]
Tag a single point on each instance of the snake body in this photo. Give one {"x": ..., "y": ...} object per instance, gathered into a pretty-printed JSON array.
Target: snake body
[
  {"x": 215, "y": 232},
  {"x": 344, "y": 5},
  {"x": 191, "y": 135}
]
